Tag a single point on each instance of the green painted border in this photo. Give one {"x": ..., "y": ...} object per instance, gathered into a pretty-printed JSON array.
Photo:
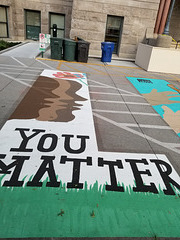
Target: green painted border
[{"x": 60, "y": 212}]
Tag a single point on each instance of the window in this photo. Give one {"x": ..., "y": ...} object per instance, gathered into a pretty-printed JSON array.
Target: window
[
  {"x": 114, "y": 30},
  {"x": 33, "y": 24},
  {"x": 58, "y": 19},
  {"x": 3, "y": 22}
]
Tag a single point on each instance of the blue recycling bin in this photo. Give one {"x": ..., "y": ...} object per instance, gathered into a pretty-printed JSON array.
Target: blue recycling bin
[{"x": 107, "y": 50}]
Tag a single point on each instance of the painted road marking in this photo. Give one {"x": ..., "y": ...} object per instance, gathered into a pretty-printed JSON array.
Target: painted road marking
[
  {"x": 62, "y": 186},
  {"x": 59, "y": 65},
  {"x": 119, "y": 89},
  {"x": 144, "y": 126},
  {"x": 49, "y": 67},
  {"x": 125, "y": 112},
  {"x": 22, "y": 64},
  {"x": 164, "y": 98},
  {"x": 73, "y": 68},
  {"x": 96, "y": 86},
  {"x": 15, "y": 79},
  {"x": 84, "y": 64},
  {"x": 119, "y": 102},
  {"x": 18, "y": 67},
  {"x": 19, "y": 73},
  {"x": 25, "y": 79},
  {"x": 169, "y": 146}
]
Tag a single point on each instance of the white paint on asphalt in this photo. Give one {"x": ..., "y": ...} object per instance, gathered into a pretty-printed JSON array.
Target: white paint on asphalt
[
  {"x": 119, "y": 102},
  {"x": 15, "y": 79},
  {"x": 126, "y": 112},
  {"x": 119, "y": 89},
  {"x": 169, "y": 146},
  {"x": 49, "y": 67},
  {"x": 18, "y": 67},
  {"x": 22, "y": 64},
  {"x": 15, "y": 73},
  {"x": 144, "y": 126}
]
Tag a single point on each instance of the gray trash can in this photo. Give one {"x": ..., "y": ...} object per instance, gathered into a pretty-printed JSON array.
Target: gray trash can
[{"x": 82, "y": 51}]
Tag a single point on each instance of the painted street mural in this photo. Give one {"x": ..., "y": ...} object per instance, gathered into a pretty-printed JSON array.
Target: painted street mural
[
  {"x": 55, "y": 182},
  {"x": 164, "y": 98}
]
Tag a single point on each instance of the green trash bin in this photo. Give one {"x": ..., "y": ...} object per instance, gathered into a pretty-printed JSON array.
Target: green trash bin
[
  {"x": 69, "y": 50},
  {"x": 56, "y": 48}
]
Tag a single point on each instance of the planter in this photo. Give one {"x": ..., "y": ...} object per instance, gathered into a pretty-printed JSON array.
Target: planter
[{"x": 158, "y": 59}]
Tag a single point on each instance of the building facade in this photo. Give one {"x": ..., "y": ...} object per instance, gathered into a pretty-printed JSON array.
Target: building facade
[
  {"x": 125, "y": 22},
  {"x": 21, "y": 20}
]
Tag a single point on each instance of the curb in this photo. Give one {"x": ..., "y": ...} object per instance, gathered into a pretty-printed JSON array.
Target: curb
[{"x": 11, "y": 48}]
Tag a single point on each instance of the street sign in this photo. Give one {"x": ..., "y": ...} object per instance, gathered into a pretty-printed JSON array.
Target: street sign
[{"x": 44, "y": 40}]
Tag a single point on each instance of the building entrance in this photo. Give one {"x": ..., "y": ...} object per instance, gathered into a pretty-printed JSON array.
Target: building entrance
[{"x": 113, "y": 31}]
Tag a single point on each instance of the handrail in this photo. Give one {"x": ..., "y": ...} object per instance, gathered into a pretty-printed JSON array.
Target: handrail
[{"x": 177, "y": 44}]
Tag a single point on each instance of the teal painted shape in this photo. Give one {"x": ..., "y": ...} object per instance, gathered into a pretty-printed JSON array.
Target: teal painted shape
[
  {"x": 159, "y": 110},
  {"x": 174, "y": 107},
  {"x": 145, "y": 87}
]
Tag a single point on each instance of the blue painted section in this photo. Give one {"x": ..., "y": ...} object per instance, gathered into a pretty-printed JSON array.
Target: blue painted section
[
  {"x": 146, "y": 85},
  {"x": 159, "y": 109}
]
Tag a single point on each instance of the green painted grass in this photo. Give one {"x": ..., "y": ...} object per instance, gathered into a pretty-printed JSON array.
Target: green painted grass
[{"x": 94, "y": 212}]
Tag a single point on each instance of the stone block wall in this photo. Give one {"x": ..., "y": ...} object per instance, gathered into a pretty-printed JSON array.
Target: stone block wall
[
  {"x": 16, "y": 15},
  {"x": 89, "y": 22},
  {"x": 87, "y": 19}
]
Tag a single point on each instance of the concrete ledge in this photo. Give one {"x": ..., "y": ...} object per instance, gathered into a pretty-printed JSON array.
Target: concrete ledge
[
  {"x": 13, "y": 47},
  {"x": 157, "y": 59}
]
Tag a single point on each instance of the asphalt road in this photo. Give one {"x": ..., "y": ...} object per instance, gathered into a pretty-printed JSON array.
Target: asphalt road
[{"x": 124, "y": 120}]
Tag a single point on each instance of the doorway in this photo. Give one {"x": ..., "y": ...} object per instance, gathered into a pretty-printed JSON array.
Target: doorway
[{"x": 114, "y": 31}]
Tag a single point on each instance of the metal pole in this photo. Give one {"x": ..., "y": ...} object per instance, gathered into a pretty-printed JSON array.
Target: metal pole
[
  {"x": 166, "y": 29},
  {"x": 159, "y": 16},
  {"x": 164, "y": 16}
]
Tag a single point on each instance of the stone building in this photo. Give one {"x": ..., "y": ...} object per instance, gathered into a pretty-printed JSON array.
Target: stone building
[
  {"x": 21, "y": 20},
  {"x": 125, "y": 22}
]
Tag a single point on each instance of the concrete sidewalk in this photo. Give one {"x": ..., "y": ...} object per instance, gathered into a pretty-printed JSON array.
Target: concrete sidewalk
[
  {"x": 26, "y": 50},
  {"x": 125, "y": 123}
]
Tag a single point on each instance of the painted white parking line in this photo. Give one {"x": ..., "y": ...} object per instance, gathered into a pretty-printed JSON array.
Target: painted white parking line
[
  {"x": 130, "y": 95},
  {"x": 126, "y": 112},
  {"x": 119, "y": 89},
  {"x": 15, "y": 66},
  {"x": 20, "y": 69},
  {"x": 169, "y": 146},
  {"x": 15, "y": 73},
  {"x": 104, "y": 93},
  {"x": 25, "y": 79},
  {"x": 97, "y": 86},
  {"x": 144, "y": 126},
  {"x": 119, "y": 102},
  {"x": 45, "y": 64},
  {"x": 15, "y": 79},
  {"x": 22, "y": 64}
]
